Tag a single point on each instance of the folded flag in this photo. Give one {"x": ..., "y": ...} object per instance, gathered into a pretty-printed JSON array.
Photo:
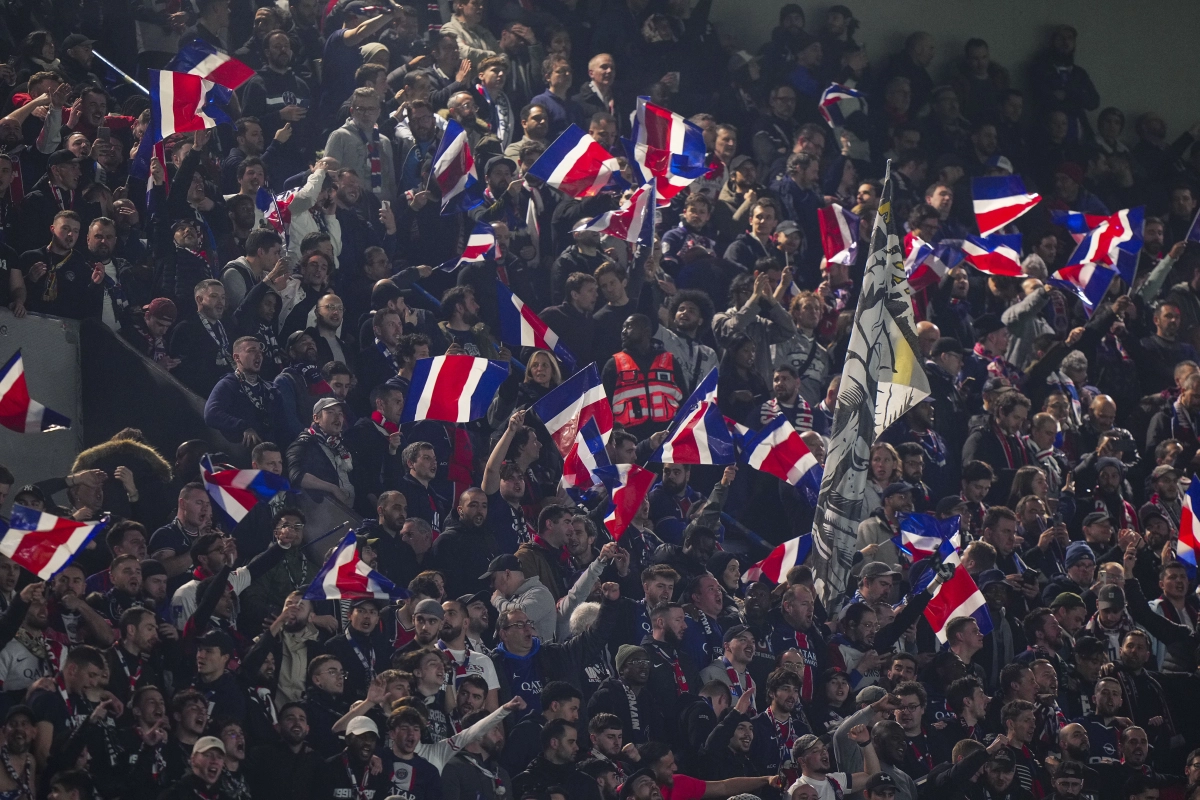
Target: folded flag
[
  {"x": 633, "y": 221},
  {"x": 200, "y": 58},
  {"x": 777, "y": 563},
  {"x": 1088, "y": 282},
  {"x": 345, "y": 576},
  {"x": 838, "y": 102},
  {"x": 520, "y": 327},
  {"x": 43, "y": 543},
  {"x": 481, "y": 245},
  {"x": 576, "y": 164},
  {"x": 839, "y": 234},
  {"x": 995, "y": 255},
  {"x": 628, "y": 485},
  {"x": 585, "y": 457},
  {"x": 1115, "y": 243},
  {"x": 1000, "y": 200},
  {"x": 922, "y": 535},
  {"x": 1188, "y": 545},
  {"x": 778, "y": 450},
  {"x": 236, "y": 491},
  {"x": 18, "y": 411},
  {"x": 454, "y": 172},
  {"x": 568, "y": 406},
  {"x": 698, "y": 434},
  {"x": 453, "y": 388}
]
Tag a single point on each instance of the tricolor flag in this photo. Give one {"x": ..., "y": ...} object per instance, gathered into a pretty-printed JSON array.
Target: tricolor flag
[
  {"x": 1077, "y": 223},
  {"x": 520, "y": 327},
  {"x": 276, "y": 209},
  {"x": 633, "y": 221},
  {"x": 200, "y": 58},
  {"x": 43, "y": 543},
  {"x": 839, "y": 234},
  {"x": 1188, "y": 546},
  {"x": 179, "y": 103},
  {"x": 481, "y": 245},
  {"x": 922, "y": 535},
  {"x": 926, "y": 265},
  {"x": 586, "y": 457},
  {"x": 997, "y": 254},
  {"x": 345, "y": 576},
  {"x": 957, "y": 597},
  {"x": 453, "y": 388},
  {"x": 698, "y": 434},
  {"x": 1115, "y": 243},
  {"x": 778, "y": 450},
  {"x": 18, "y": 411},
  {"x": 839, "y": 102},
  {"x": 566, "y": 408},
  {"x": 576, "y": 164},
  {"x": 777, "y": 563},
  {"x": 665, "y": 149},
  {"x": 454, "y": 171},
  {"x": 628, "y": 485},
  {"x": 236, "y": 491},
  {"x": 1000, "y": 200},
  {"x": 1088, "y": 282}
]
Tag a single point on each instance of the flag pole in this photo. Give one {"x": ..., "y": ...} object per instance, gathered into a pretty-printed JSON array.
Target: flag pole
[
  {"x": 121, "y": 73},
  {"x": 327, "y": 535}
]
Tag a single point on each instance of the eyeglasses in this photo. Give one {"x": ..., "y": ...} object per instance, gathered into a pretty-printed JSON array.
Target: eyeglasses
[
  {"x": 523, "y": 625},
  {"x": 910, "y": 708},
  {"x": 637, "y": 661},
  {"x": 295, "y": 526}
]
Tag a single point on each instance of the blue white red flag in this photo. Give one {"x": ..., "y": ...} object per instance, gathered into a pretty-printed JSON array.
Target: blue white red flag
[
  {"x": 576, "y": 164},
  {"x": 999, "y": 200},
  {"x": 179, "y": 103},
  {"x": 454, "y": 171},
  {"x": 1188, "y": 546},
  {"x": 481, "y": 245},
  {"x": 628, "y": 485},
  {"x": 633, "y": 221},
  {"x": 18, "y": 411},
  {"x": 1088, "y": 282},
  {"x": 839, "y": 234},
  {"x": 453, "y": 388},
  {"x": 1076, "y": 222},
  {"x": 520, "y": 327},
  {"x": 567, "y": 407},
  {"x": 667, "y": 149},
  {"x": 957, "y": 597},
  {"x": 777, "y": 563},
  {"x": 1115, "y": 243},
  {"x": 995, "y": 254},
  {"x": 276, "y": 209},
  {"x": 43, "y": 543},
  {"x": 778, "y": 450},
  {"x": 922, "y": 535},
  {"x": 926, "y": 265},
  {"x": 839, "y": 102},
  {"x": 346, "y": 576},
  {"x": 236, "y": 491},
  {"x": 584, "y": 459},
  {"x": 698, "y": 434},
  {"x": 200, "y": 58}
]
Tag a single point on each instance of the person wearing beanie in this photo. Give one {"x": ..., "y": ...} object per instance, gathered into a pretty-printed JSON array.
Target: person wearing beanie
[
  {"x": 625, "y": 696},
  {"x": 1080, "y": 564}
]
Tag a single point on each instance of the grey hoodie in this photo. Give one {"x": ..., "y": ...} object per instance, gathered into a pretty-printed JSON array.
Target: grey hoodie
[{"x": 535, "y": 600}]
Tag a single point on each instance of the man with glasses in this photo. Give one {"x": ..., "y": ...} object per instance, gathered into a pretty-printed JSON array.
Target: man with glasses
[{"x": 358, "y": 145}]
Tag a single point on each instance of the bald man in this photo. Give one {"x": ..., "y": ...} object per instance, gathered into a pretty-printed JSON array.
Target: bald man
[{"x": 466, "y": 547}]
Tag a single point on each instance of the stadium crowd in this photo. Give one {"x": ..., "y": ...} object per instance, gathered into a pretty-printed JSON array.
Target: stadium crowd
[{"x": 534, "y": 657}]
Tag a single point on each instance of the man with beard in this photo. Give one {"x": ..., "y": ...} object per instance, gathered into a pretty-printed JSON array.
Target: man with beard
[
  {"x": 672, "y": 500},
  {"x": 279, "y": 99},
  {"x": 410, "y": 774},
  {"x": 604, "y": 733},
  {"x": 17, "y": 780},
  {"x": 243, "y": 405},
  {"x": 1073, "y": 745},
  {"x": 466, "y": 544},
  {"x": 512, "y": 591},
  {"x": 293, "y": 641},
  {"x": 1102, "y": 726},
  {"x": 59, "y": 191},
  {"x": 101, "y": 239},
  {"x": 207, "y": 765},
  {"x": 462, "y": 328},
  {"x": 674, "y": 680},
  {"x": 792, "y": 627},
  {"x": 334, "y": 342},
  {"x": 427, "y": 618},
  {"x": 379, "y": 361},
  {"x": 396, "y": 557},
  {"x": 63, "y": 709},
  {"x": 812, "y": 757},
  {"x": 555, "y": 766},
  {"x": 623, "y": 697},
  {"x": 302, "y": 291},
  {"x": 30, "y": 655},
  {"x": 286, "y": 768},
  {"x": 782, "y": 724},
  {"x": 136, "y": 660},
  {"x": 1144, "y": 696},
  {"x": 318, "y": 461},
  {"x": 58, "y": 279},
  {"x": 300, "y": 384},
  {"x": 733, "y": 667},
  {"x": 200, "y": 343},
  {"x": 470, "y": 697},
  {"x": 361, "y": 650},
  {"x": 374, "y": 445},
  {"x": 364, "y": 220},
  {"x": 476, "y": 771},
  {"x": 464, "y": 661},
  {"x": 350, "y": 770}
]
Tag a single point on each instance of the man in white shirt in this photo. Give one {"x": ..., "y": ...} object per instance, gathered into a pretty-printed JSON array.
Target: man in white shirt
[
  {"x": 465, "y": 660},
  {"x": 812, "y": 757}
]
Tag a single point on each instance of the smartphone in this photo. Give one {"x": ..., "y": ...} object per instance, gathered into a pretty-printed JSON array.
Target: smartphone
[
  {"x": 102, "y": 133},
  {"x": 1030, "y": 576},
  {"x": 386, "y": 204}
]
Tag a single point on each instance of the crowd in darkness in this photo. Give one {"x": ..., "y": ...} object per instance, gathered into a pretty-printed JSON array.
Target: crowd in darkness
[{"x": 176, "y": 657}]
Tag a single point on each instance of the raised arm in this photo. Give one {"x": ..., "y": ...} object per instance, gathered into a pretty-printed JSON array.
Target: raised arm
[{"x": 491, "y": 472}]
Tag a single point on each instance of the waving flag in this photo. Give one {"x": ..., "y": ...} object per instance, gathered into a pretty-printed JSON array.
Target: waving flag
[
  {"x": 839, "y": 102},
  {"x": 568, "y": 406},
  {"x": 1000, "y": 200},
  {"x": 454, "y": 171},
  {"x": 633, "y": 221},
  {"x": 345, "y": 576},
  {"x": 995, "y": 255},
  {"x": 881, "y": 380},
  {"x": 200, "y": 58},
  {"x": 179, "y": 103},
  {"x": 453, "y": 388},
  {"x": 922, "y": 535},
  {"x": 585, "y": 458},
  {"x": 665, "y": 149},
  {"x": 1088, "y": 282},
  {"x": 43, "y": 543},
  {"x": 839, "y": 234},
  {"x": 276, "y": 209},
  {"x": 236, "y": 491},
  {"x": 628, "y": 485},
  {"x": 778, "y": 450},
  {"x": 698, "y": 434},
  {"x": 520, "y": 327},
  {"x": 777, "y": 563},
  {"x": 957, "y": 597},
  {"x": 481, "y": 245},
  {"x": 1188, "y": 546},
  {"x": 1115, "y": 243},
  {"x": 576, "y": 164},
  {"x": 926, "y": 265},
  {"x": 18, "y": 411}
]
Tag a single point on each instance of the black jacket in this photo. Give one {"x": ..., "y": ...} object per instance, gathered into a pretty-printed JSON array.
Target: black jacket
[
  {"x": 202, "y": 362},
  {"x": 462, "y": 553},
  {"x": 541, "y": 774},
  {"x": 375, "y": 469}
]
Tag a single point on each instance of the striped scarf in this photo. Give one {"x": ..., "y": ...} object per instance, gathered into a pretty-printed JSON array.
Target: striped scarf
[{"x": 374, "y": 157}]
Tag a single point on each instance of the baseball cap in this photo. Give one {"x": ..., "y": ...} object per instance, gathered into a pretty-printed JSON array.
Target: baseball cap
[
  {"x": 360, "y": 725},
  {"x": 805, "y": 743},
  {"x": 1095, "y": 518},
  {"x": 356, "y": 7},
  {"x": 162, "y": 308},
  {"x": 496, "y": 161},
  {"x": 948, "y": 504},
  {"x": 1004, "y": 758},
  {"x": 985, "y": 324},
  {"x": 786, "y": 227},
  {"x": 1164, "y": 469},
  {"x": 218, "y": 639},
  {"x": 206, "y": 743},
  {"x": 948, "y": 344},
  {"x": 739, "y": 161},
  {"x": 736, "y": 631},
  {"x": 76, "y": 39},
  {"x": 626, "y": 788},
  {"x": 20, "y": 710},
  {"x": 1149, "y": 512},
  {"x": 371, "y": 601},
  {"x": 327, "y": 402},
  {"x": 869, "y": 694},
  {"x": 880, "y": 780},
  {"x": 877, "y": 569},
  {"x": 896, "y": 488},
  {"x": 504, "y": 563},
  {"x": 989, "y": 577},
  {"x": 152, "y": 567},
  {"x": 429, "y": 608},
  {"x": 1076, "y": 552},
  {"x": 1110, "y": 597},
  {"x": 60, "y": 157},
  {"x": 1001, "y": 162},
  {"x": 484, "y": 597}
]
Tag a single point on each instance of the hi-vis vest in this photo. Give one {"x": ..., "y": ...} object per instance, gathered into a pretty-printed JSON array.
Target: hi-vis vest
[{"x": 645, "y": 397}]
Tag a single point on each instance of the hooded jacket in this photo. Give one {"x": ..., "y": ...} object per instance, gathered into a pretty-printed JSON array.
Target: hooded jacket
[{"x": 536, "y": 601}]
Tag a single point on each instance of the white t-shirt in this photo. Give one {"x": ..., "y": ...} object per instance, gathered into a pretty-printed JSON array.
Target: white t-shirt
[
  {"x": 823, "y": 786},
  {"x": 479, "y": 664}
]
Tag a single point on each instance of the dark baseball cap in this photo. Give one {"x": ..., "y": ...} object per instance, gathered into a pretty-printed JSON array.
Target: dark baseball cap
[
  {"x": 1110, "y": 597},
  {"x": 504, "y": 563},
  {"x": 880, "y": 780},
  {"x": 1069, "y": 769},
  {"x": 218, "y": 639},
  {"x": 736, "y": 631},
  {"x": 948, "y": 344},
  {"x": 61, "y": 157}
]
